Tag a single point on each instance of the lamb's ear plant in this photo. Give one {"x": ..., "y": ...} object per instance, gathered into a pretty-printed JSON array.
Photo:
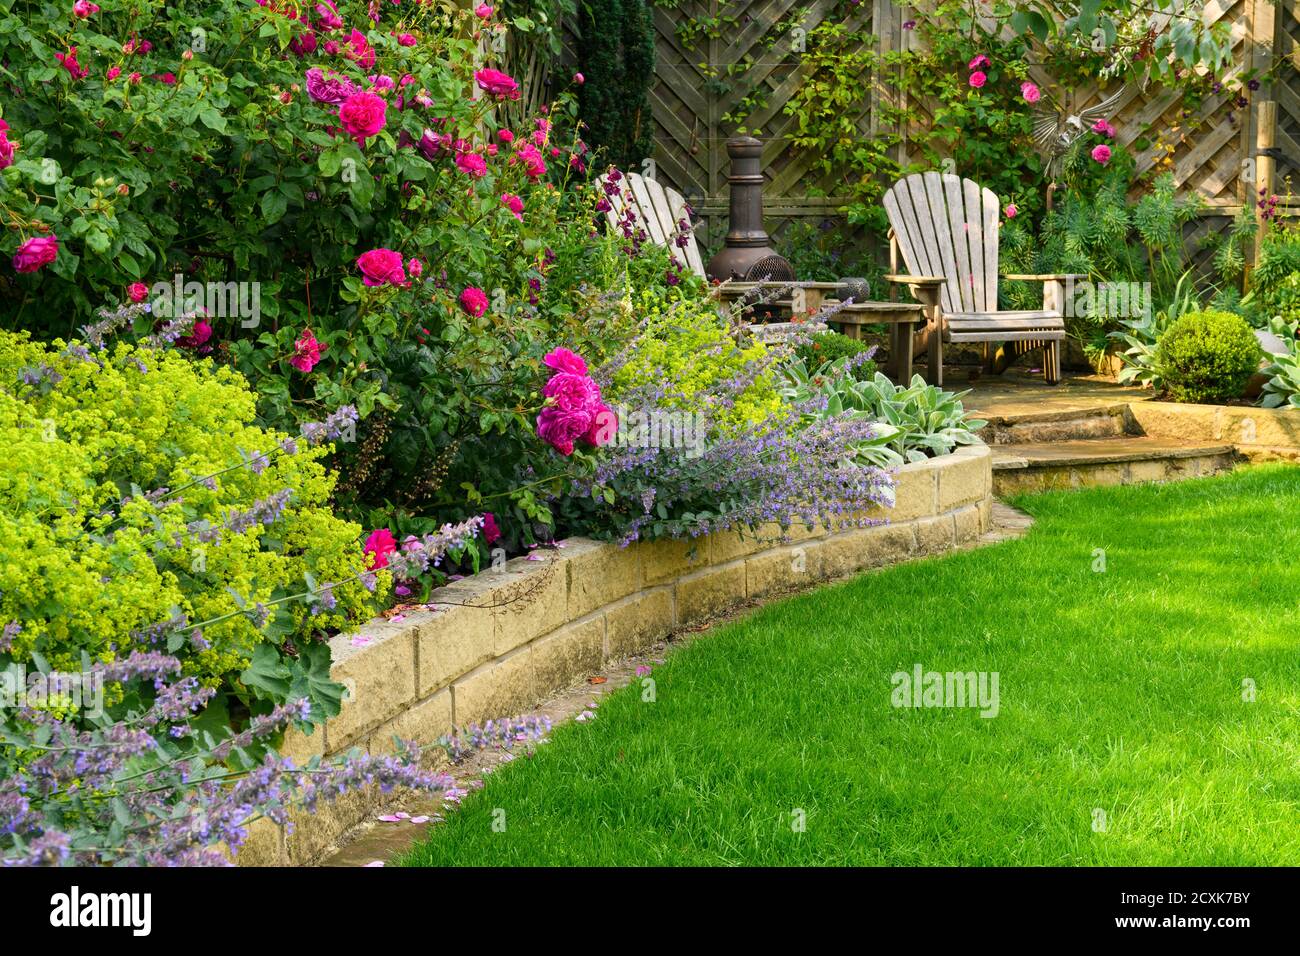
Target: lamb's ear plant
[
  {"x": 1283, "y": 385},
  {"x": 930, "y": 421},
  {"x": 912, "y": 422}
]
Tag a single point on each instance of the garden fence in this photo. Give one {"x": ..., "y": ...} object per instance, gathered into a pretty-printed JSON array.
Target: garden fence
[{"x": 723, "y": 64}]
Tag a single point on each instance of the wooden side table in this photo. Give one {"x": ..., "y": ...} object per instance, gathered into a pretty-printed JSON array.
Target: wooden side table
[{"x": 926, "y": 290}]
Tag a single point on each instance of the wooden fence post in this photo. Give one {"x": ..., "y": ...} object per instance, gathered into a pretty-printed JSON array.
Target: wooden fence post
[{"x": 1265, "y": 165}]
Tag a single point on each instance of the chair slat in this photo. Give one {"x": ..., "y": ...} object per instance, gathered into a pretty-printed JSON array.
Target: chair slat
[
  {"x": 975, "y": 238},
  {"x": 959, "y": 277},
  {"x": 664, "y": 214},
  {"x": 991, "y": 221},
  {"x": 646, "y": 209},
  {"x": 907, "y": 231},
  {"x": 677, "y": 203}
]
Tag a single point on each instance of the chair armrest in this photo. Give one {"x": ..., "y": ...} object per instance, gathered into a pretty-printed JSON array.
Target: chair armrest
[
  {"x": 916, "y": 280},
  {"x": 1050, "y": 277}
]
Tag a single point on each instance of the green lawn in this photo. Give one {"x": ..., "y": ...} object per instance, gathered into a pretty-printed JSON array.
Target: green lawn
[{"x": 1120, "y": 690}]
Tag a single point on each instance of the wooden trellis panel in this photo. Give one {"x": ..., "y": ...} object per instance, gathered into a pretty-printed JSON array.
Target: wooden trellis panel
[
  {"x": 1286, "y": 91},
  {"x": 748, "y": 70},
  {"x": 708, "y": 87}
]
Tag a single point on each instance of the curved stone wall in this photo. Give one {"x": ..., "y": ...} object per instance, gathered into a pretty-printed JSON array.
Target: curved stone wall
[{"x": 505, "y": 639}]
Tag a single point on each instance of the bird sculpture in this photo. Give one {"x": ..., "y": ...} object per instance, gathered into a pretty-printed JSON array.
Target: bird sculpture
[{"x": 1055, "y": 131}]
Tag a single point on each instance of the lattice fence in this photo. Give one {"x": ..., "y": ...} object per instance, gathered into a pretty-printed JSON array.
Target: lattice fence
[
  {"x": 1286, "y": 90},
  {"x": 747, "y": 67}
]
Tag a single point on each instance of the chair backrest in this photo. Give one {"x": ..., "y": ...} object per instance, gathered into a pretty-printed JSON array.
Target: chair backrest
[
  {"x": 948, "y": 226},
  {"x": 659, "y": 210}
]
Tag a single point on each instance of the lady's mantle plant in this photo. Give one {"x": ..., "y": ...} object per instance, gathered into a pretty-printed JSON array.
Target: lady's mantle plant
[{"x": 138, "y": 494}]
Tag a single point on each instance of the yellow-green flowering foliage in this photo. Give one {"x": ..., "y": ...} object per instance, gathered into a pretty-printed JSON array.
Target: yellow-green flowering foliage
[
  {"x": 686, "y": 347},
  {"x": 82, "y": 572}
]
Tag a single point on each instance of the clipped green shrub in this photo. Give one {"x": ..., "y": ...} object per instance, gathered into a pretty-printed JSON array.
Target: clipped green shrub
[
  {"x": 826, "y": 347},
  {"x": 136, "y": 492},
  {"x": 1207, "y": 357}
]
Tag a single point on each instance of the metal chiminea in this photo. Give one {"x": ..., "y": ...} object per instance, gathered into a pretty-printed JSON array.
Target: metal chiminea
[{"x": 748, "y": 255}]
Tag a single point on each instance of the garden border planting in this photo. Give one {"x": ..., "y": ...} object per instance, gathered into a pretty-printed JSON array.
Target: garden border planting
[{"x": 506, "y": 638}]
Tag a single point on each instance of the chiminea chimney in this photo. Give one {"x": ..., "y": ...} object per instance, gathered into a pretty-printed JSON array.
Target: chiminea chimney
[{"x": 748, "y": 254}]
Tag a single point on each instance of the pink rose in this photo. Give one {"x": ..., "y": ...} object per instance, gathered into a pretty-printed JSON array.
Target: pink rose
[
  {"x": 514, "y": 204},
  {"x": 1104, "y": 128},
  {"x": 579, "y": 79},
  {"x": 977, "y": 79},
  {"x": 471, "y": 164},
  {"x": 362, "y": 115},
  {"x": 482, "y": 11},
  {"x": 1012, "y": 210},
  {"x": 406, "y": 39},
  {"x": 604, "y": 426},
  {"x": 573, "y": 393},
  {"x": 137, "y": 291},
  {"x": 331, "y": 88},
  {"x": 560, "y": 429},
  {"x": 1030, "y": 92},
  {"x": 491, "y": 533},
  {"x": 36, "y": 252},
  {"x": 382, "y": 82},
  {"x": 979, "y": 61},
  {"x": 113, "y": 73},
  {"x": 379, "y": 546},
  {"x": 69, "y": 61},
  {"x": 381, "y": 267},
  {"x": 198, "y": 336},
  {"x": 1101, "y": 154},
  {"x": 505, "y": 136},
  {"x": 306, "y": 351},
  {"x": 6, "y": 149},
  {"x": 361, "y": 53},
  {"x": 474, "y": 301},
  {"x": 134, "y": 79},
  {"x": 301, "y": 45},
  {"x": 497, "y": 84},
  {"x": 84, "y": 9},
  {"x": 416, "y": 268},
  {"x": 562, "y": 360},
  {"x": 329, "y": 15},
  {"x": 531, "y": 157}
]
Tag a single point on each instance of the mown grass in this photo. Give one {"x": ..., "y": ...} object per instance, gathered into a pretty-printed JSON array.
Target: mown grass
[{"x": 1120, "y": 691}]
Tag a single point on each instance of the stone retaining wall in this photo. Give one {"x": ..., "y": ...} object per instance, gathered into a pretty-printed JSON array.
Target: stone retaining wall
[
  {"x": 1261, "y": 434},
  {"x": 505, "y": 639}
]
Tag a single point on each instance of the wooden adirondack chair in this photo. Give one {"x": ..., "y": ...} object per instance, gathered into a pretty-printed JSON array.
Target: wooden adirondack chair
[
  {"x": 947, "y": 226},
  {"x": 658, "y": 210}
]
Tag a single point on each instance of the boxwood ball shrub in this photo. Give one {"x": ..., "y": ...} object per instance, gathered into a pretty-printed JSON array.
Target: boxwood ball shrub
[
  {"x": 137, "y": 493},
  {"x": 1208, "y": 356}
]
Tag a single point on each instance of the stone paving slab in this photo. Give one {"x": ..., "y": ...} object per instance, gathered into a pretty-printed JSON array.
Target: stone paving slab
[
  {"x": 1096, "y": 451},
  {"x": 1009, "y": 395}
]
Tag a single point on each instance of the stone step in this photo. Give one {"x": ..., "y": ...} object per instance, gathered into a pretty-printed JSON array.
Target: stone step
[
  {"x": 1068, "y": 424},
  {"x": 1084, "y": 463}
]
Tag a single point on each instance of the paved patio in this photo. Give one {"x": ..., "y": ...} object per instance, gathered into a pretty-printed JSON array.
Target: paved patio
[{"x": 1018, "y": 393}]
